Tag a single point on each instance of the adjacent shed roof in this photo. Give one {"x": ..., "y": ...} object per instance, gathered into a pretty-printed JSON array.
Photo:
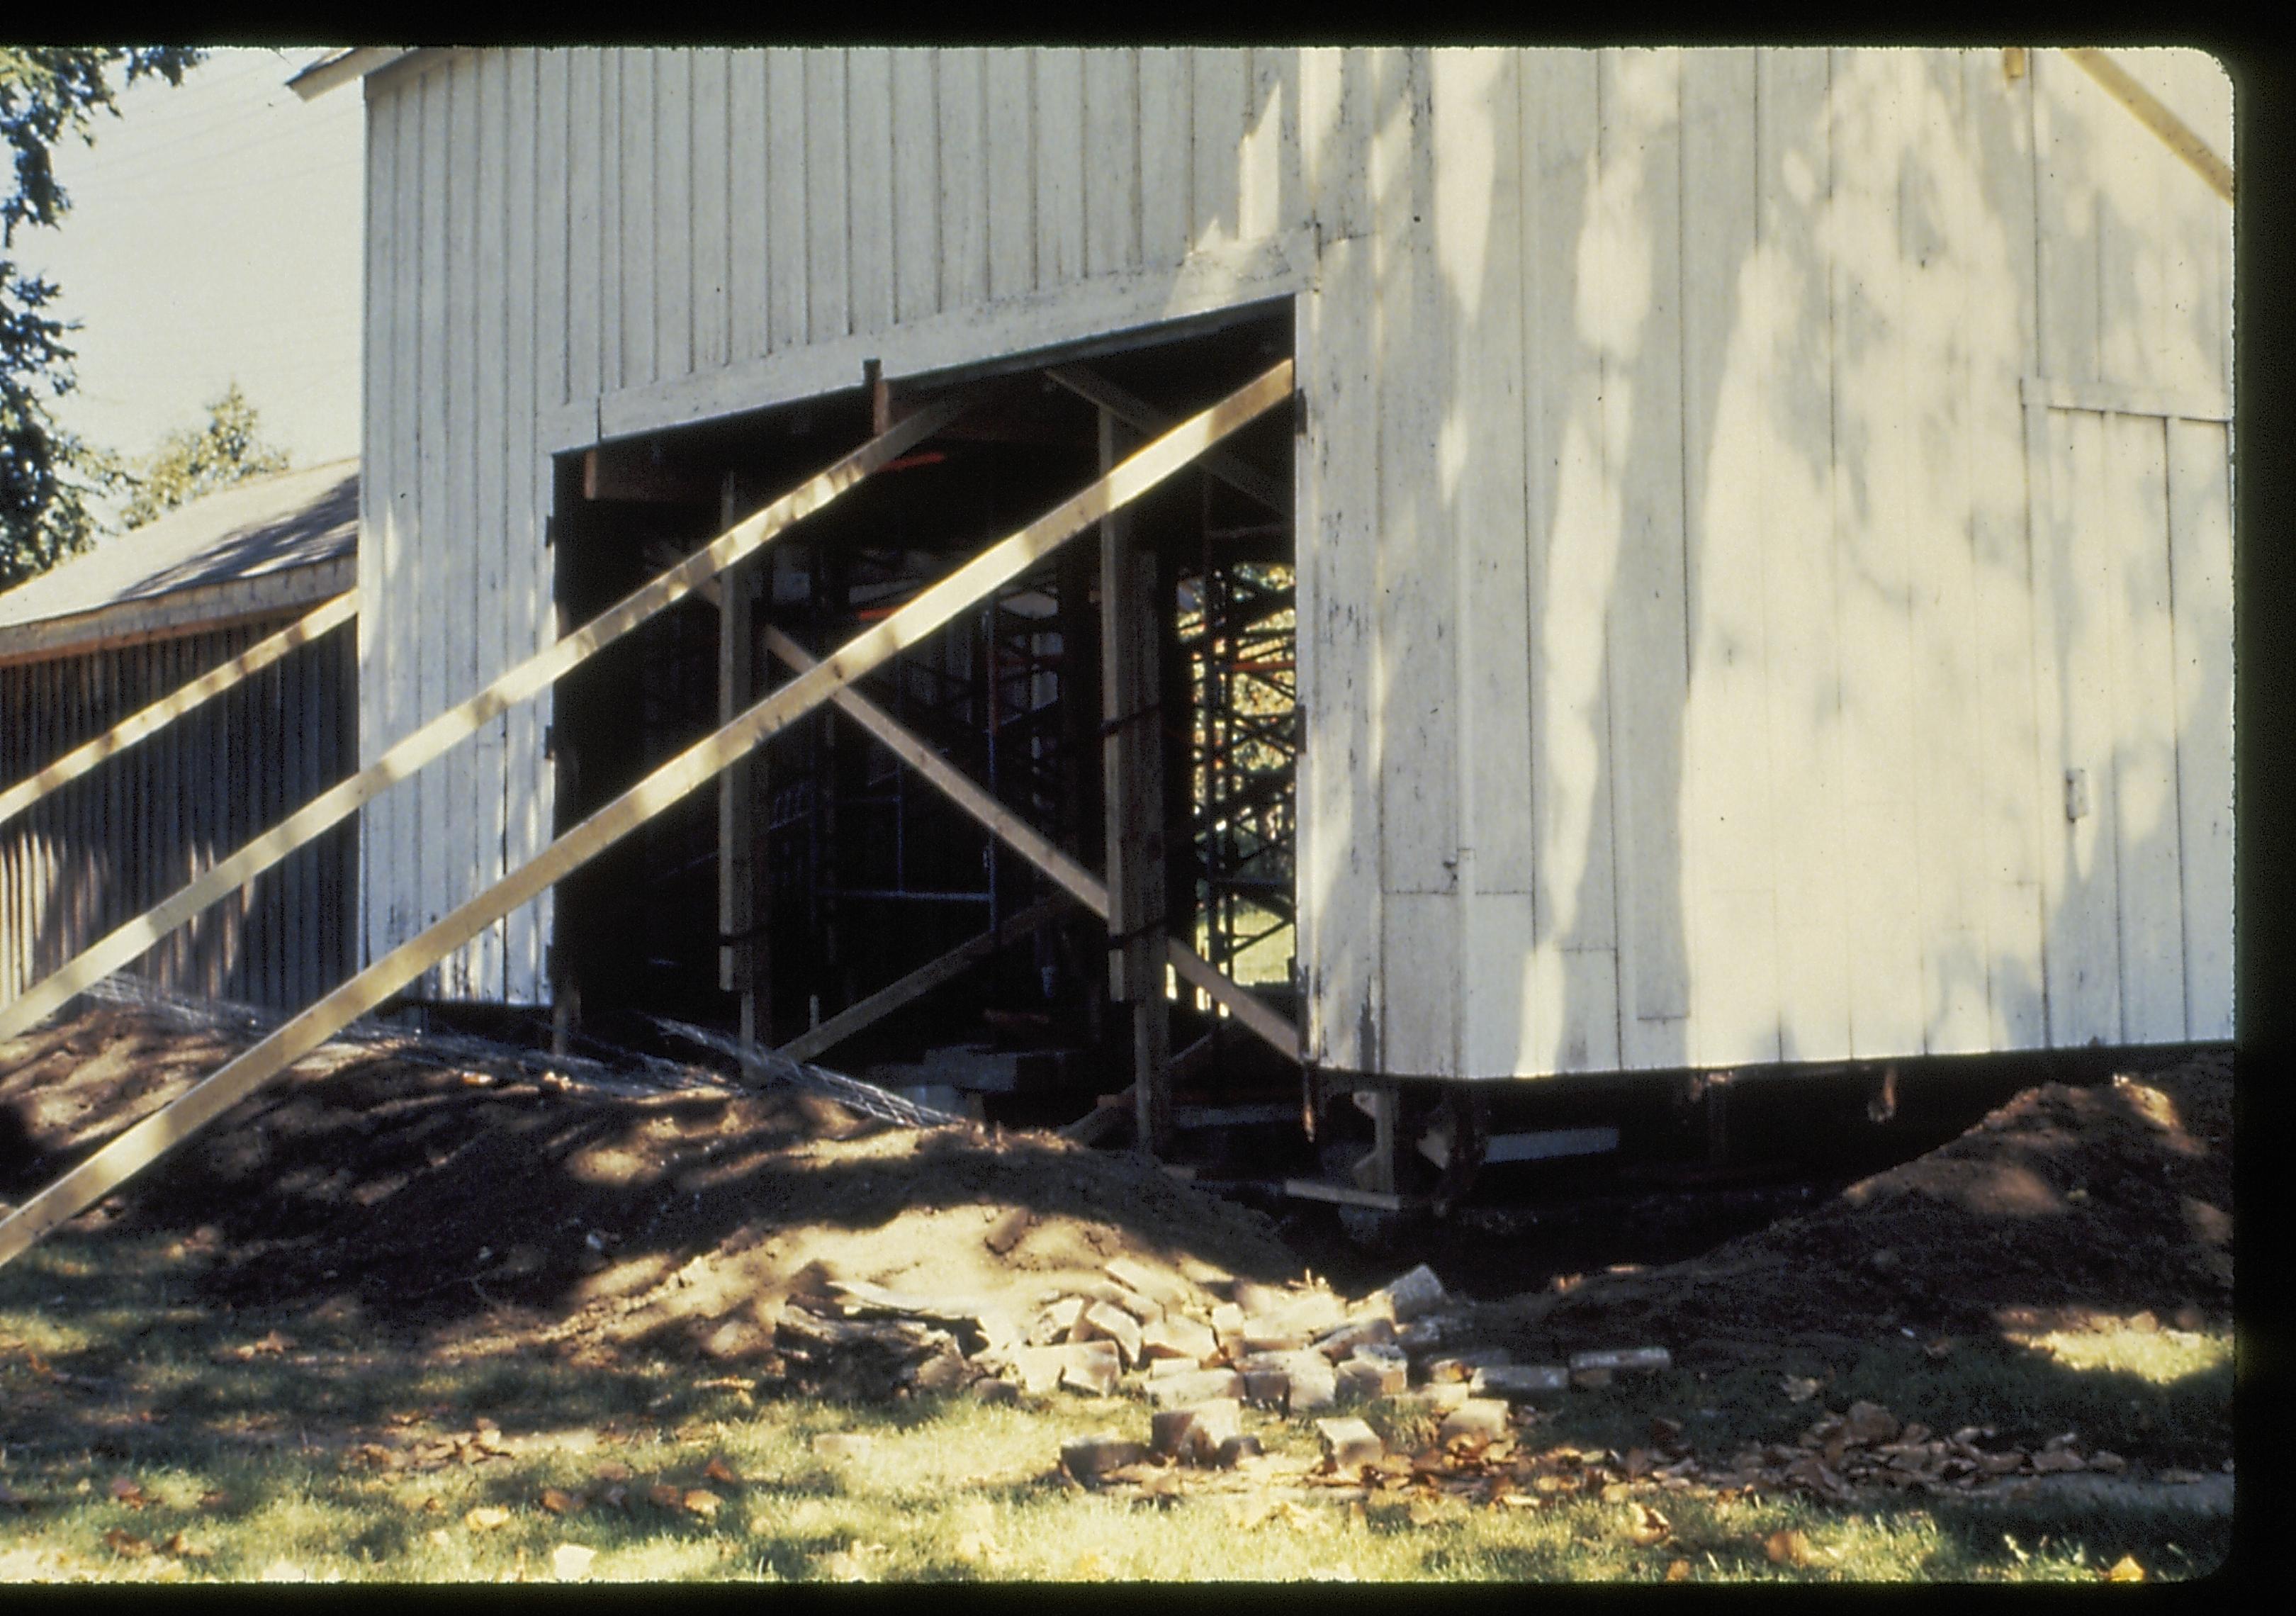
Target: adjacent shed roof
[{"x": 254, "y": 550}]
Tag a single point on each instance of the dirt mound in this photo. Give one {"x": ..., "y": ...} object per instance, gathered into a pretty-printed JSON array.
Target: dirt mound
[
  {"x": 484, "y": 1198},
  {"x": 2112, "y": 1199}
]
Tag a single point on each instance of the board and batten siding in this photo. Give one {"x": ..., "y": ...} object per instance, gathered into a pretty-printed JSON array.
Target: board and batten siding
[{"x": 1745, "y": 497}]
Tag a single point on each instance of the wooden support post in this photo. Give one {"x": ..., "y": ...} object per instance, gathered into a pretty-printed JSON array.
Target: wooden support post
[
  {"x": 1132, "y": 750},
  {"x": 742, "y": 963},
  {"x": 184, "y": 698},
  {"x": 1247, "y": 1008},
  {"x": 158, "y": 1134},
  {"x": 1376, "y": 1171},
  {"x": 537, "y": 672}
]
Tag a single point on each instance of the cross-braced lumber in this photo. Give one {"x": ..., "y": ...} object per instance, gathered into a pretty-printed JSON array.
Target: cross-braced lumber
[
  {"x": 235, "y": 1080},
  {"x": 110, "y": 953},
  {"x": 2172, "y": 131},
  {"x": 1087, "y": 889},
  {"x": 184, "y": 699}
]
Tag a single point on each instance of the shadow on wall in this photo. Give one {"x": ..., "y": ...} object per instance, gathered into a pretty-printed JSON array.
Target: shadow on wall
[{"x": 1802, "y": 688}]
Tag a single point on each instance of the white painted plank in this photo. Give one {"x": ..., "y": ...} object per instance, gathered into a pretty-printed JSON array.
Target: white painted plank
[
  {"x": 533, "y": 293},
  {"x": 1641, "y": 321},
  {"x": 397, "y": 699},
  {"x": 746, "y": 205},
  {"x": 828, "y": 269},
  {"x": 1337, "y": 518},
  {"x": 963, "y": 178},
  {"x": 430, "y": 553},
  {"x": 2066, "y": 105},
  {"x": 2084, "y": 966},
  {"x": 674, "y": 244},
  {"x": 1417, "y": 669},
  {"x": 2133, "y": 212},
  {"x": 1731, "y": 886},
  {"x": 1010, "y": 162},
  {"x": 1874, "y": 487},
  {"x": 586, "y": 237},
  {"x": 487, "y": 535},
  {"x": 1059, "y": 135},
  {"x": 869, "y": 184},
  {"x": 1938, "y": 295},
  {"x": 1271, "y": 114},
  {"x": 916, "y": 187},
  {"x": 787, "y": 318},
  {"x": 1791, "y": 302},
  {"x": 1167, "y": 152},
  {"x": 1990, "y": 215},
  {"x": 2144, "y": 761},
  {"x": 377, "y": 542},
  {"x": 458, "y": 533},
  {"x": 2200, "y": 533},
  {"x": 1572, "y": 539},
  {"x": 1220, "y": 90},
  {"x": 712, "y": 229},
  {"x": 640, "y": 158},
  {"x": 1111, "y": 160},
  {"x": 1478, "y": 241}
]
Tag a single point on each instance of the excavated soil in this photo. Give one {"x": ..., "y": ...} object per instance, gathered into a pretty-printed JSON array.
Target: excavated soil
[
  {"x": 2064, "y": 1202},
  {"x": 509, "y": 1205},
  {"x": 504, "y": 1205}
]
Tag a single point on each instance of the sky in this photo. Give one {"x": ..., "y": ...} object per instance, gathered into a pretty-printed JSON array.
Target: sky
[{"x": 214, "y": 233}]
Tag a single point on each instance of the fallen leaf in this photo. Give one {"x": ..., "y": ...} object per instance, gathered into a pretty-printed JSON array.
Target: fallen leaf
[
  {"x": 2126, "y": 1570},
  {"x": 559, "y": 1502},
  {"x": 613, "y": 1470},
  {"x": 182, "y": 1547},
  {"x": 1787, "y": 1547},
  {"x": 486, "y": 1518},
  {"x": 1678, "y": 1571},
  {"x": 128, "y": 1491},
  {"x": 717, "y": 1470},
  {"x": 571, "y": 1562},
  {"x": 122, "y": 1541},
  {"x": 703, "y": 1501},
  {"x": 665, "y": 1495},
  {"x": 1645, "y": 1526}
]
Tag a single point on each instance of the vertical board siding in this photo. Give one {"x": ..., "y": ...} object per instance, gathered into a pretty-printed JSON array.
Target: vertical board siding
[
  {"x": 100, "y": 851},
  {"x": 1672, "y": 530}
]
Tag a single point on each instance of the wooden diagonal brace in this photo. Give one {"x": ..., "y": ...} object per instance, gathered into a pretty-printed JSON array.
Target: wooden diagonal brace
[
  {"x": 110, "y": 953},
  {"x": 1026, "y": 840},
  {"x": 235, "y": 1080},
  {"x": 2142, "y": 105},
  {"x": 184, "y": 699},
  {"x": 1239, "y": 474}
]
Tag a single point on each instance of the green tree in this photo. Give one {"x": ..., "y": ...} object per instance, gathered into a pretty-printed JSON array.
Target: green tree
[
  {"x": 189, "y": 462},
  {"x": 47, "y": 477}
]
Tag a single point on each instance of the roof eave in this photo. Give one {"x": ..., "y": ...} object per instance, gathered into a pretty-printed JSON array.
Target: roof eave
[{"x": 343, "y": 68}]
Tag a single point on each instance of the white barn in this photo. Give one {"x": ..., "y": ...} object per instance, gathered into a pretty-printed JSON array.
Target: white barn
[{"x": 1762, "y": 517}]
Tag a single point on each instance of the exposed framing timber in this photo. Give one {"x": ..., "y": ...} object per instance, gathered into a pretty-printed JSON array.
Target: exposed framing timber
[
  {"x": 923, "y": 979},
  {"x": 331, "y": 807},
  {"x": 184, "y": 699},
  {"x": 2172, "y": 131},
  {"x": 1134, "y": 411},
  {"x": 156, "y": 1135},
  {"x": 1247, "y": 1008}
]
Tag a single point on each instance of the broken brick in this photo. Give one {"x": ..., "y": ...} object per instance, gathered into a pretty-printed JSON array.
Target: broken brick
[
  {"x": 1517, "y": 1380},
  {"x": 1178, "y": 1391},
  {"x": 1089, "y": 1459},
  {"x": 1091, "y": 1366},
  {"x": 1349, "y": 1443},
  {"x": 1411, "y": 1294},
  {"x": 1475, "y": 1422},
  {"x": 1195, "y": 1435},
  {"x": 1462, "y": 1366},
  {"x": 1178, "y": 1336},
  {"x": 1362, "y": 1378},
  {"x": 1105, "y": 1322}
]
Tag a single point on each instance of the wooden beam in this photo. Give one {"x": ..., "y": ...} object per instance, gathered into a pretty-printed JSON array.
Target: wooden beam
[
  {"x": 742, "y": 964},
  {"x": 2172, "y": 130},
  {"x": 184, "y": 699},
  {"x": 336, "y": 803},
  {"x": 630, "y": 472},
  {"x": 1134, "y": 411},
  {"x": 156, "y": 1135},
  {"x": 919, "y": 982},
  {"x": 1247, "y": 1008}
]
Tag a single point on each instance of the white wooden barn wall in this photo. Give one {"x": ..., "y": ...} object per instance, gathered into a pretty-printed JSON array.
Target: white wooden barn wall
[{"x": 1738, "y": 488}]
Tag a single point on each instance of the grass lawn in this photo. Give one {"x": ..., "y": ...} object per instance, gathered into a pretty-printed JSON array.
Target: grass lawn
[{"x": 144, "y": 1437}]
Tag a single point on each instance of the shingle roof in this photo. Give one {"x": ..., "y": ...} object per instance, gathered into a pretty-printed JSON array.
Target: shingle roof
[{"x": 267, "y": 526}]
